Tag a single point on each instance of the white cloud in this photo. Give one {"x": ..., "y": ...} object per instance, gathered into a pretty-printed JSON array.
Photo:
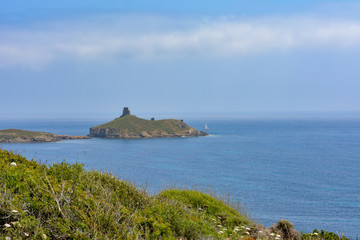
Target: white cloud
[{"x": 36, "y": 47}]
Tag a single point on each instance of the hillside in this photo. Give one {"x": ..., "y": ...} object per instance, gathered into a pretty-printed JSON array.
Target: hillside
[
  {"x": 64, "y": 201},
  {"x": 23, "y": 136},
  {"x": 130, "y": 126}
]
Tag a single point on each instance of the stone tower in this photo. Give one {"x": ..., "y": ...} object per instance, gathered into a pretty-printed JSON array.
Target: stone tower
[{"x": 126, "y": 111}]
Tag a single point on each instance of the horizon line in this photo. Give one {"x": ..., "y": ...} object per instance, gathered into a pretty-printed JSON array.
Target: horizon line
[{"x": 190, "y": 115}]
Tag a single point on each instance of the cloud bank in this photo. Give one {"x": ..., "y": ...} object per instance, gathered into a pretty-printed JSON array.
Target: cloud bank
[{"x": 129, "y": 38}]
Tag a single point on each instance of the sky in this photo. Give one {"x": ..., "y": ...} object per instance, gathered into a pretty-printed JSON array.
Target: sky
[{"x": 92, "y": 58}]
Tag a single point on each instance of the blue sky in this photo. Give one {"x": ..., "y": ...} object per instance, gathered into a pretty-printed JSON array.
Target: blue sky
[{"x": 91, "y": 58}]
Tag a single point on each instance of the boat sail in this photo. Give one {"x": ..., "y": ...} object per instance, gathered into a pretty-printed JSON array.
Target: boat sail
[{"x": 206, "y": 128}]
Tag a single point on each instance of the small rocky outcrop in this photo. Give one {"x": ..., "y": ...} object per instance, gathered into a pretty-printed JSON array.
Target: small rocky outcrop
[{"x": 23, "y": 136}]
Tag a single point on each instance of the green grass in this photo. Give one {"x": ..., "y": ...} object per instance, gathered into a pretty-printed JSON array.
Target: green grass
[
  {"x": 64, "y": 201},
  {"x": 213, "y": 207}
]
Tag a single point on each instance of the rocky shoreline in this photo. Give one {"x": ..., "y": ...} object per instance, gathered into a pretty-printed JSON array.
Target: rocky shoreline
[{"x": 126, "y": 134}]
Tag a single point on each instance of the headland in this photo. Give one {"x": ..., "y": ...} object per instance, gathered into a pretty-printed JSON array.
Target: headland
[{"x": 24, "y": 136}]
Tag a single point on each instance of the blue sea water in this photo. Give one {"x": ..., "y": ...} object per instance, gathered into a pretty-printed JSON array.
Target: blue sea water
[{"x": 305, "y": 171}]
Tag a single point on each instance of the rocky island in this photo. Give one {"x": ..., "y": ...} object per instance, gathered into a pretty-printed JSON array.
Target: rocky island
[
  {"x": 129, "y": 126},
  {"x": 24, "y": 136}
]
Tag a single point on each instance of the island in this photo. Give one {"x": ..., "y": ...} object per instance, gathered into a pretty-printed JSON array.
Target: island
[
  {"x": 129, "y": 126},
  {"x": 24, "y": 136}
]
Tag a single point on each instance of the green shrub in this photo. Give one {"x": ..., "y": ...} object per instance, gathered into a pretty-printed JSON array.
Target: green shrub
[
  {"x": 323, "y": 235},
  {"x": 286, "y": 230}
]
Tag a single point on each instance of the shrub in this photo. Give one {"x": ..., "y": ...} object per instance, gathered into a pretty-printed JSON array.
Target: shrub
[
  {"x": 286, "y": 230},
  {"x": 323, "y": 235}
]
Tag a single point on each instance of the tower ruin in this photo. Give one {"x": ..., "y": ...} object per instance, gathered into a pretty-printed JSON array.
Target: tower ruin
[{"x": 126, "y": 111}]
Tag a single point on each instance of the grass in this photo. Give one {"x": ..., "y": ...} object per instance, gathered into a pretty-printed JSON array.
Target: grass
[{"x": 64, "y": 201}]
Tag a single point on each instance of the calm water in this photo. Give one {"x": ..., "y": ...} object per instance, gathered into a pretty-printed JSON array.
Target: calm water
[{"x": 306, "y": 171}]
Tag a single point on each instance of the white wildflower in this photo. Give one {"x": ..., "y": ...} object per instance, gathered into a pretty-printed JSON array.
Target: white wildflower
[
  {"x": 44, "y": 236},
  {"x": 247, "y": 233},
  {"x": 316, "y": 234},
  {"x": 13, "y": 164},
  {"x": 14, "y": 211},
  {"x": 219, "y": 225},
  {"x": 220, "y": 232},
  {"x": 8, "y": 238},
  {"x": 7, "y": 225},
  {"x": 278, "y": 235},
  {"x": 247, "y": 229},
  {"x": 277, "y": 238},
  {"x": 200, "y": 209},
  {"x": 260, "y": 231},
  {"x": 272, "y": 234},
  {"x": 26, "y": 234},
  {"x": 242, "y": 227}
]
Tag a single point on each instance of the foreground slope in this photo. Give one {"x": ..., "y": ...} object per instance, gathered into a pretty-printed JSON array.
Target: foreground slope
[
  {"x": 24, "y": 136},
  {"x": 130, "y": 126},
  {"x": 64, "y": 201}
]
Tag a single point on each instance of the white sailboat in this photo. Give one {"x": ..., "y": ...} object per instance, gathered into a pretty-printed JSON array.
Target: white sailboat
[{"x": 206, "y": 128}]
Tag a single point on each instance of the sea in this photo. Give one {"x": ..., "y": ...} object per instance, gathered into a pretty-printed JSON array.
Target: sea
[{"x": 304, "y": 170}]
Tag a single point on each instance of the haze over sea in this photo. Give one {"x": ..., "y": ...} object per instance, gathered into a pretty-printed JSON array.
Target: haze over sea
[{"x": 305, "y": 170}]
